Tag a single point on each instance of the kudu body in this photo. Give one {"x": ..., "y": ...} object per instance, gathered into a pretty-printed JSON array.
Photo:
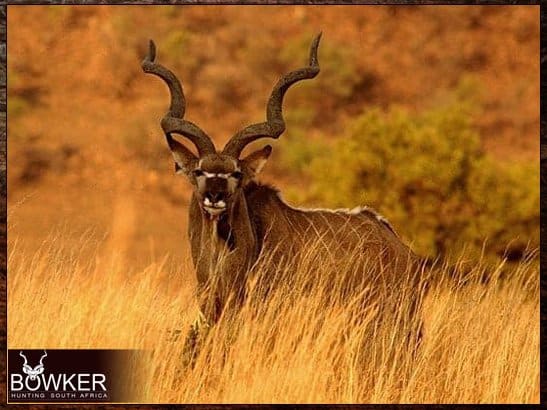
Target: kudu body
[{"x": 234, "y": 219}]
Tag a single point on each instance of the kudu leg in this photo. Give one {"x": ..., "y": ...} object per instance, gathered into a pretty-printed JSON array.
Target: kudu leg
[
  {"x": 194, "y": 339},
  {"x": 210, "y": 313}
]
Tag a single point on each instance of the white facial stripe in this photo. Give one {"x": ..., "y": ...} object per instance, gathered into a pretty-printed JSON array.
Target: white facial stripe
[{"x": 216, "y": 175}]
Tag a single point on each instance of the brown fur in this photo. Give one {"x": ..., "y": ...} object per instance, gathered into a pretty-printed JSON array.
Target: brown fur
[{"x": 262, "y": 222}]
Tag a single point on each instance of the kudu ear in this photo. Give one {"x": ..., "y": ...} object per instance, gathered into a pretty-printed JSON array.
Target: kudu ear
[
  {"x": 256, "y": 161},
  {"x": 183, "y": 156}
]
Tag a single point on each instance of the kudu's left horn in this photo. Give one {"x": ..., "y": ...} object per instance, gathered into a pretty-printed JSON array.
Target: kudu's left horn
[{"x": 274, "y": 125}]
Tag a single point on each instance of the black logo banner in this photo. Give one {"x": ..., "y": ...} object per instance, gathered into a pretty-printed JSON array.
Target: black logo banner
[{"x": 90, "y": 376}]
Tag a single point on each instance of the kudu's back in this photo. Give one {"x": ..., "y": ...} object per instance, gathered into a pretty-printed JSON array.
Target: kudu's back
[{"x": 358, "y": 247}]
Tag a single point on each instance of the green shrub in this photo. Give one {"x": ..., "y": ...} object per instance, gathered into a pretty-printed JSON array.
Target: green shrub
[
  {"x": 57, "y": 13},
  {"x": 429, "y": 176},
  {"x": 297, "y": 150},
  {"x": 176, "y": 43},
  {"x": 17, "y": 106},
  {"x": 174, "y": 52},
  {"x": 20, "y": 99}
]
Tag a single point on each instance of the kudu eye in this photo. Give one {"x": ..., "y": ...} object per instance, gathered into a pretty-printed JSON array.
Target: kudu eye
[
  {"x": 237, "y": 174},
  {"x": 197, "y": 172}
]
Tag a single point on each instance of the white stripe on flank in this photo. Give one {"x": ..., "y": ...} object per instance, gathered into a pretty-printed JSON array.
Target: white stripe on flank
[{"x": 355, "y": 211}]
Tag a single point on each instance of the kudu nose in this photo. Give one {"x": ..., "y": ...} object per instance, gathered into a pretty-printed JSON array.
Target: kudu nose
[{"x": 215, "y": 196}]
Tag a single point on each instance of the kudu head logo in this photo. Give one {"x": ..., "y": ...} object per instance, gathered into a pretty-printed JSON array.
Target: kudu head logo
[{"x": 33, "y": 372}]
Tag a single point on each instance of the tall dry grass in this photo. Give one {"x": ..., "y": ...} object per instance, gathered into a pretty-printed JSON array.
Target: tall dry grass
[{"x": 480, "y": 345}]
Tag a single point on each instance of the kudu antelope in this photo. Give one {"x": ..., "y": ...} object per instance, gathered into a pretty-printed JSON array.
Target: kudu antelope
[{"x": 233, "y": 218}]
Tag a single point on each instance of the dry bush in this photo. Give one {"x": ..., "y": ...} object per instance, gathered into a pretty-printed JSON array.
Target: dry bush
[{"x": 301, "y": 344}]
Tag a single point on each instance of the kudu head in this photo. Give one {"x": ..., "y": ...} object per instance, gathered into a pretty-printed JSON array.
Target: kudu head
[
  {"x": 219, "y": 176},
  {"x": 33, "y": 372}
]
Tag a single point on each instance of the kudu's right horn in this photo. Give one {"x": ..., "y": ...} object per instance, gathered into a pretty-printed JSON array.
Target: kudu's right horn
[{"x": 173, "y": 121}]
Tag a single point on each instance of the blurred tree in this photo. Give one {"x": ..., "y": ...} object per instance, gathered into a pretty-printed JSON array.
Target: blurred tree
[{"x": 430, "y": 176}]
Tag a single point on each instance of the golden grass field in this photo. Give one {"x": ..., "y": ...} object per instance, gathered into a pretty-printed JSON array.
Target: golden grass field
[{"x": 480, "y": 345}]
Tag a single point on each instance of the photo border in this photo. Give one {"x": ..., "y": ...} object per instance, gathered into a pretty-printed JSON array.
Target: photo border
[{"x": 3, "y": 182}]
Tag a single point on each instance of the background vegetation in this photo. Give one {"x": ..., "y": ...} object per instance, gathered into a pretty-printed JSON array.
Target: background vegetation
[
  {"x": 430, "y": 174},
  {"x": 410, "y": 114}
]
